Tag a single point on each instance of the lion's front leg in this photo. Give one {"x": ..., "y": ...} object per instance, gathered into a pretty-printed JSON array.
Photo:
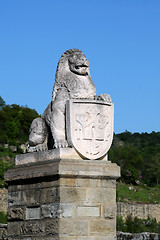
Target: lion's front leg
[
  {"x": 57, "y": 123},
  {"x": 58, "y": 129}
]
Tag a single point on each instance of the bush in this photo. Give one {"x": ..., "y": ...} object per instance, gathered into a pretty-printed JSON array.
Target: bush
[{"x": 5, "y": 164}]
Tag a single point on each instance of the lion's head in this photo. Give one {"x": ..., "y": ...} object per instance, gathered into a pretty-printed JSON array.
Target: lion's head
[
  {"x": 73, "y": 65},
  {"x": 78, "y": 63},
  {"x": 38, "y": 132}
]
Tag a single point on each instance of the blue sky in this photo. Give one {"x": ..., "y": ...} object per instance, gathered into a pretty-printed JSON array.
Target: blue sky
[{"x": 121, "y": 39}]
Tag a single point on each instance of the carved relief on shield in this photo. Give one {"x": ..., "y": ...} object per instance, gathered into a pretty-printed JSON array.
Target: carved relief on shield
[{"x": 90, "y": 127}]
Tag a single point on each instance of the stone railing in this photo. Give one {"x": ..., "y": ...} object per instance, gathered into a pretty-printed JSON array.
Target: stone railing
[{"x": 142, "y": 211}]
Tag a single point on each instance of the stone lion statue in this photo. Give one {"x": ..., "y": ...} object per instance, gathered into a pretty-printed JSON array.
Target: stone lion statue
[{"x": 72, "y": 81}]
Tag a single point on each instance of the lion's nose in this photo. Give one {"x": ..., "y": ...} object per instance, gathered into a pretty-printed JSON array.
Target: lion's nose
[{"x": 86, "y": 63}]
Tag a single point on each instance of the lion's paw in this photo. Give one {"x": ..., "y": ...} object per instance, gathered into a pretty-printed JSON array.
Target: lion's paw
[
  {"x": 62, "y": 143},
  {"x": 105, "y": 97},
  {"x": 40, "y": 147}
]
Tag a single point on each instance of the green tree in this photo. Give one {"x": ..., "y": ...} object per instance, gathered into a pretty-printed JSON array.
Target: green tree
[
  {"x": 2, "y": 103},
  {"x": 127, "y": 149},
  {"x": 152, "y": 170},
  {"x": 129, "y": 159},
  {"x": 15, "y": 122}
]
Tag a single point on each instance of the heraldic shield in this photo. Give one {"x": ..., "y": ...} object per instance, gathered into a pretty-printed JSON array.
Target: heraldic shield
[{"x": 89, "y": 126}]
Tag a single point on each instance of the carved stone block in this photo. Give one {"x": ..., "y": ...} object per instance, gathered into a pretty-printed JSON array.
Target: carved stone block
[
  {"x": 16, "y": 213},
  {"x": 32, "y": 213},
  {"x": 90, "y": 127}
]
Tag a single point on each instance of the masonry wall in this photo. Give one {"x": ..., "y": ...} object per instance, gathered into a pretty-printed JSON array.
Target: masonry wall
[
  {"x": 138, "y": 236},
  {"x": 142, "y": 211},
  {"x": 3, "y": 200},
  {"x": 75, "y": 210},
  {"x": 123, "y": 209},
  {"x": 63, "y": 199}
]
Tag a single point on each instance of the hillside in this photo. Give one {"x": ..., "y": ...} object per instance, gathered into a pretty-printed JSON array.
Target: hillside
[
  {"x": 15, "y": 122},
  {"x": 137, "y": 154}
]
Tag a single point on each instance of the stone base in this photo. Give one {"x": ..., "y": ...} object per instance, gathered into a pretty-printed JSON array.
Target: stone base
[{"x": 66, "y": 199}]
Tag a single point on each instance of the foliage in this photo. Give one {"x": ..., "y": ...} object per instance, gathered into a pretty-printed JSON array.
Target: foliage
[
  {"x": 2, "y": 103},
  {"x": 6, "y": 162},
  {"x": 136, "y": 225},
  {"x": 128, "y": 158},
  {"x": 141, "y": 194},
  {"x": 138, "y": 155},
  {"x": 3, "y": 217},
  {"x": 15, "y": 122}
]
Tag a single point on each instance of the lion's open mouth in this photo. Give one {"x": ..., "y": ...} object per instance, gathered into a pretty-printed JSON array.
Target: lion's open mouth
[
  {"x": 81, "y": 69},
  {"x": 84, "y": 67}
]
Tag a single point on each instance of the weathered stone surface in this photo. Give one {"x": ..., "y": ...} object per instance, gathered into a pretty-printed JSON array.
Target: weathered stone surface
[
  {"x": 80, "y": 168},
  {"x": 61, "y": 210},
  {"x": 3, "y": 200},
  {"x": 34, "y": 238},
  {"x": 3, "y": 232},
  {"x": 101, "y": 195},
  {"x": 30, "y": 197},
  {"x": 72, "y": 81},
  {"x": 89, "y": 182},
  {"x": 142, "y": 211},
  {"x": 74, "y": 227},
  {"x": 50, "y": 195},
  {"x": 52, "y": 227},
  {"x": 60, "y": 153},
  {"x": 109, "y": 210},
  {"x": 17, "y": 213},
  {"x": 68, "y": 238},
  {"x": 88, "y": 211},
  {"x": 95, "y": 124},
  {"x": 108, "y": 184},
  {"x": 14, "y": 198},
  {"x": 63, "y": 199},
  {"x": 68, "y": 182},
  {"x": 90, "y": 127},
  {"x": 107, "y": 237},
  {"x": 72, "y": 194},
  {"x": 32, "y": 213},
  {"x": 102, "y": 226},
  {"x": 138, "y": 236},
  {"x": 14, "y": 228},
  {"x": 32, "y": 228}
]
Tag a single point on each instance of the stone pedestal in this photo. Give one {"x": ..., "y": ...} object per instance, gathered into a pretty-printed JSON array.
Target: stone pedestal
[{"x": 51, "y": 197}]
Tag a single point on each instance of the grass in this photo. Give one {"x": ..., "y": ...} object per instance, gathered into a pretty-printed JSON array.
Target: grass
[{"x": 139, "y": 193}]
